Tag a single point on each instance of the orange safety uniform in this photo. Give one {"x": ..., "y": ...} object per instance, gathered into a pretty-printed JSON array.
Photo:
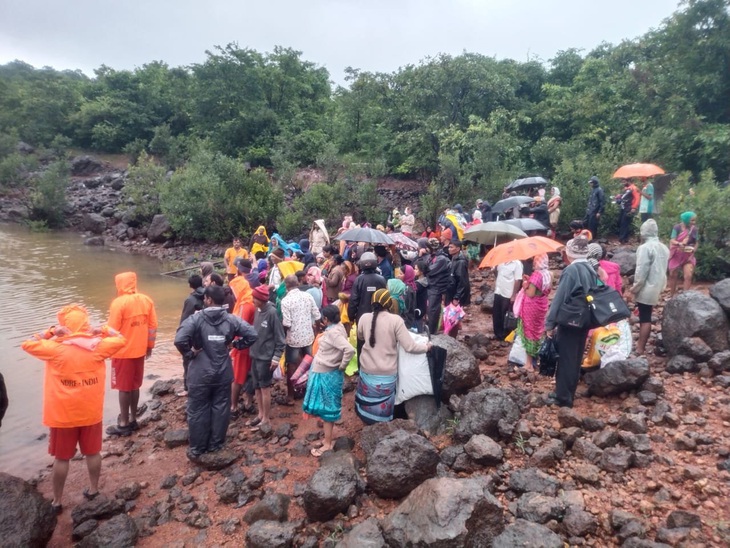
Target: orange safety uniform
[
  {"x": 242, "y": 291},
  {"x": 73, "y": 392},
  {"x": 133, "y": 315},
  {"x": 230, "y": 258}
]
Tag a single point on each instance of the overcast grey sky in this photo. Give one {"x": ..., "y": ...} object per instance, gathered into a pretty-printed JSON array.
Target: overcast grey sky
[{"x": 373, "y": 35}]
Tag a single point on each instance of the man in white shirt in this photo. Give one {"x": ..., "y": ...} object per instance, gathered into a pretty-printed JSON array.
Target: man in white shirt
[
  {"x": 509, "y": 280},
  {"x": 299, "y": 312}
]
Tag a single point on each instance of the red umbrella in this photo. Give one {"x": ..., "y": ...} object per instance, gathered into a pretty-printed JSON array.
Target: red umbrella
[{"x": 637, "y": 170}]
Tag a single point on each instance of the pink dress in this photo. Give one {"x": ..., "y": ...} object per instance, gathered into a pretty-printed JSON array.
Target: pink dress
[
  {"x": 533, "y": 312},
  {"x": 614, "y": 275}
]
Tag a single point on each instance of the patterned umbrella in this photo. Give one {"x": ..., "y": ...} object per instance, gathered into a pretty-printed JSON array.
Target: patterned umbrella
[{"x": 403, "y": 242}]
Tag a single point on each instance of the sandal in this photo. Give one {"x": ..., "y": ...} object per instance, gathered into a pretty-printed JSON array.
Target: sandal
[
  {"x": 254, "y": 422},
  {"x": 56, "y": 508},
  {"x": 90, "y": 496}
]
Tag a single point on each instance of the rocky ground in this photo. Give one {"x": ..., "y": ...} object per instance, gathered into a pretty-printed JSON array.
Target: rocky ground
[{"x": 642, "y": 460}]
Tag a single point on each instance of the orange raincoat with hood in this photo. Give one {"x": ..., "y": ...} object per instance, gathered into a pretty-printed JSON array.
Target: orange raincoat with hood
[
  {"x": 133, "y": 315},
  {"x": 73, "y": 388}
]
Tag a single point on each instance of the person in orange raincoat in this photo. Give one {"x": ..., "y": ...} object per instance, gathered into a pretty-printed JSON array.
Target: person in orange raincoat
[
  {"x": 133, "y": 315},
  {"x": 245, "y": 310},
  {"x": 73, "y": 392}
]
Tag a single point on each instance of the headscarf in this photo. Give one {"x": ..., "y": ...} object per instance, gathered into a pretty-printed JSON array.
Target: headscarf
[
  {"x": 262, "y": 265},
  {"x": 477, "y": 215},
  {"x": 409, "y": 276},
  {"x": 383, "y": 298},
  {"x": 316, "y": 275},
  {"x": 556, "y": 191},
  {"x": 541, "y": 264},
  {"x": 687, "y": 216},
  {"x": 541, "y": 193},
  {"x": 595, "y": 252},
  {"x": 397, "y": 290},
  {"x": 577, "y": 248},
  {"x": 206, "y": 269}
]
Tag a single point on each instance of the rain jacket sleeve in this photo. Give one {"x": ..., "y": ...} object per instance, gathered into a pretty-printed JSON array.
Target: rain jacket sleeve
[
  {"x": 184, "y": 338},
  {"x": 354, "y": 303},
  {"x": 245, "y": 332}
]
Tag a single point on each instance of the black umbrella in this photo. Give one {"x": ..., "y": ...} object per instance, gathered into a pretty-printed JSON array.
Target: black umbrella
[
  {"x": 509, "y": 203},
  {"x": 526, "y": 224},
  {"x": 528, "y": 182}
]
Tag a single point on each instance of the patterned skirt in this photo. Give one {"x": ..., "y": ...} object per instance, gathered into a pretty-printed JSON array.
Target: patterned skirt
[
  {"x": 375, "y": 397},
  {"x": 324, "y": 395}
]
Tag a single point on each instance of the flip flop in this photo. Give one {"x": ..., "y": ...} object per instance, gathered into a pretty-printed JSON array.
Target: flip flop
[
  {"x": 90, "y": 496},
  {"x": 254, "y": 422},
  {"x": 56, "y": 508},
  {"x": 317, "y": 452}
]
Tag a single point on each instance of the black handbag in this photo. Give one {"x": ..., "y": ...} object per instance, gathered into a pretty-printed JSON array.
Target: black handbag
[
  {"x": 575, "y": 312},
  {"x": 510, "y": 322},
  {"x": 547, "y": 357},
  {"x": 606, "y": 306}
]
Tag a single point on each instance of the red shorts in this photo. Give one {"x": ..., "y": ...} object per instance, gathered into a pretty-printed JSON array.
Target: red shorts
[
  {"x": 127, "y": 373},
  {"x": 62, "y": 441},
  {"x": 241, "y": 365}
]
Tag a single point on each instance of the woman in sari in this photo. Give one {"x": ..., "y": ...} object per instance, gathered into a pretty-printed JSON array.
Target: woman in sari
[
  {"x": 380, "y": 333},
  {"x": 534, "y": 308},
  {"x": 553, "y": 206},
  {"x": 324, "y": 385},
  {"x": 259, "y": 241},
  {"x": 682, "y": 247}
]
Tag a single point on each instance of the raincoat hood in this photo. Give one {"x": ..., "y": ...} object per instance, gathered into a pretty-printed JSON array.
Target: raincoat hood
[
  {"x": 215, "y": 315},
  {"x": 649, "y": 229},
  {"x": 75, "y": 318},
  {"x": 261, "y": 230},
  {"x": 319, "y": 223},
  {"x": 126, "y": 283}
]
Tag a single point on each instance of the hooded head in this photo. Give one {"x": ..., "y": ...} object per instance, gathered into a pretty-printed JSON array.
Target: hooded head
[
  {"x": 75, "y": 318},
  {"x": 594, "y": 181},
  {"x": 304, "y": 245},
  {"x": 649, "y": 229},
  {"x": 127, "y": 282},
  {"x": 595, "y": 252},
  {"x": 556, "y": 191}
]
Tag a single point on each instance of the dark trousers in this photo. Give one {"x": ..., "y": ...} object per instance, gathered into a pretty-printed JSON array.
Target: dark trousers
[
  {"x": 434, "y": 311},
  {"x": 624, "y": 230},
  {"x": 591, "y": 223},
  {"x": 209, "y": 411},
  {"x": 500, "y": 308},
  {"x": 571, "y": 345},
  {"x": 186, "y": 363},
  {"x": 645, "y": 217}
]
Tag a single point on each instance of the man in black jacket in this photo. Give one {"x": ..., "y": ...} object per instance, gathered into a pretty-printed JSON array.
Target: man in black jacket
[
  {"x": 460, "y": 289},
  {"x": 192, "y": 304},
  {"x": 367, "y": 283},
  {"x": 205, "y": 338},
  {"x": 438, "y": 274},
  {"x": 596, "y": 204}
]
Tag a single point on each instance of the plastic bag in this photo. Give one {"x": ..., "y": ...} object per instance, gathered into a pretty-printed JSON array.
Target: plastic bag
[
  {"x": 511, "y": 337},
  {"x": 547, "y": 357},
  {"x": 517, "y": 354},
  {"x": 599, "y": 342},
  {"x": 453, "y": 314},
  {"x": 414, "y": 375}
]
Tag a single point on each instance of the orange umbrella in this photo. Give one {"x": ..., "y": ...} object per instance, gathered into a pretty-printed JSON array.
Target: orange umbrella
[
  {"x": 637, "y": 170},
  {"x": 519, "y": 250}
]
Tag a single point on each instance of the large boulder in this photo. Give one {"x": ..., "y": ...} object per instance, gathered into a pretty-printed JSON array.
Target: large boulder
[
  {"x": 617, "y": 377},
  {"x": 273, "y": 507},
  {"x": 400, "y": 463},
  {"x": 159, "y": 229},
  {"x": 526, "y": 533},
  {"x": 102, "y": 507},
  {"x": 94, "y": 223},
  {"x": 26, "y": 518},
  {"x": 120, "y": 531},
  {"x": 332, "y": 488},
  {"x": 461, "y": 371},
  {"x": 83, "y": 166},
  {"x": 721, "y": 293},
  {"x": 427, "y": 415},
  {"x": 693, "y": 314},
  {"x": 626, "y": 259},
  {"x": 491, "y": 412},
  {"x": 364, "y": 535},
  {"x": 270, "y": 534},
  {"x": 372, "y": 434},
  {"x": 446, "y": 513}
]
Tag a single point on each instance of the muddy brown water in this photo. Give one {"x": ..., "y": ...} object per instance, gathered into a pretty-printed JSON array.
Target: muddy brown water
[{"x": 40, "y": 273}]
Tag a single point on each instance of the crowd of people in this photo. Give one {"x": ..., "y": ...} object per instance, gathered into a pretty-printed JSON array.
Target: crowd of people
[{"x": 305, "y": 312}]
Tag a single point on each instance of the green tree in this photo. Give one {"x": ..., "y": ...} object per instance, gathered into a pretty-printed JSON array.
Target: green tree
[{"x": 48, "y": 195}]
